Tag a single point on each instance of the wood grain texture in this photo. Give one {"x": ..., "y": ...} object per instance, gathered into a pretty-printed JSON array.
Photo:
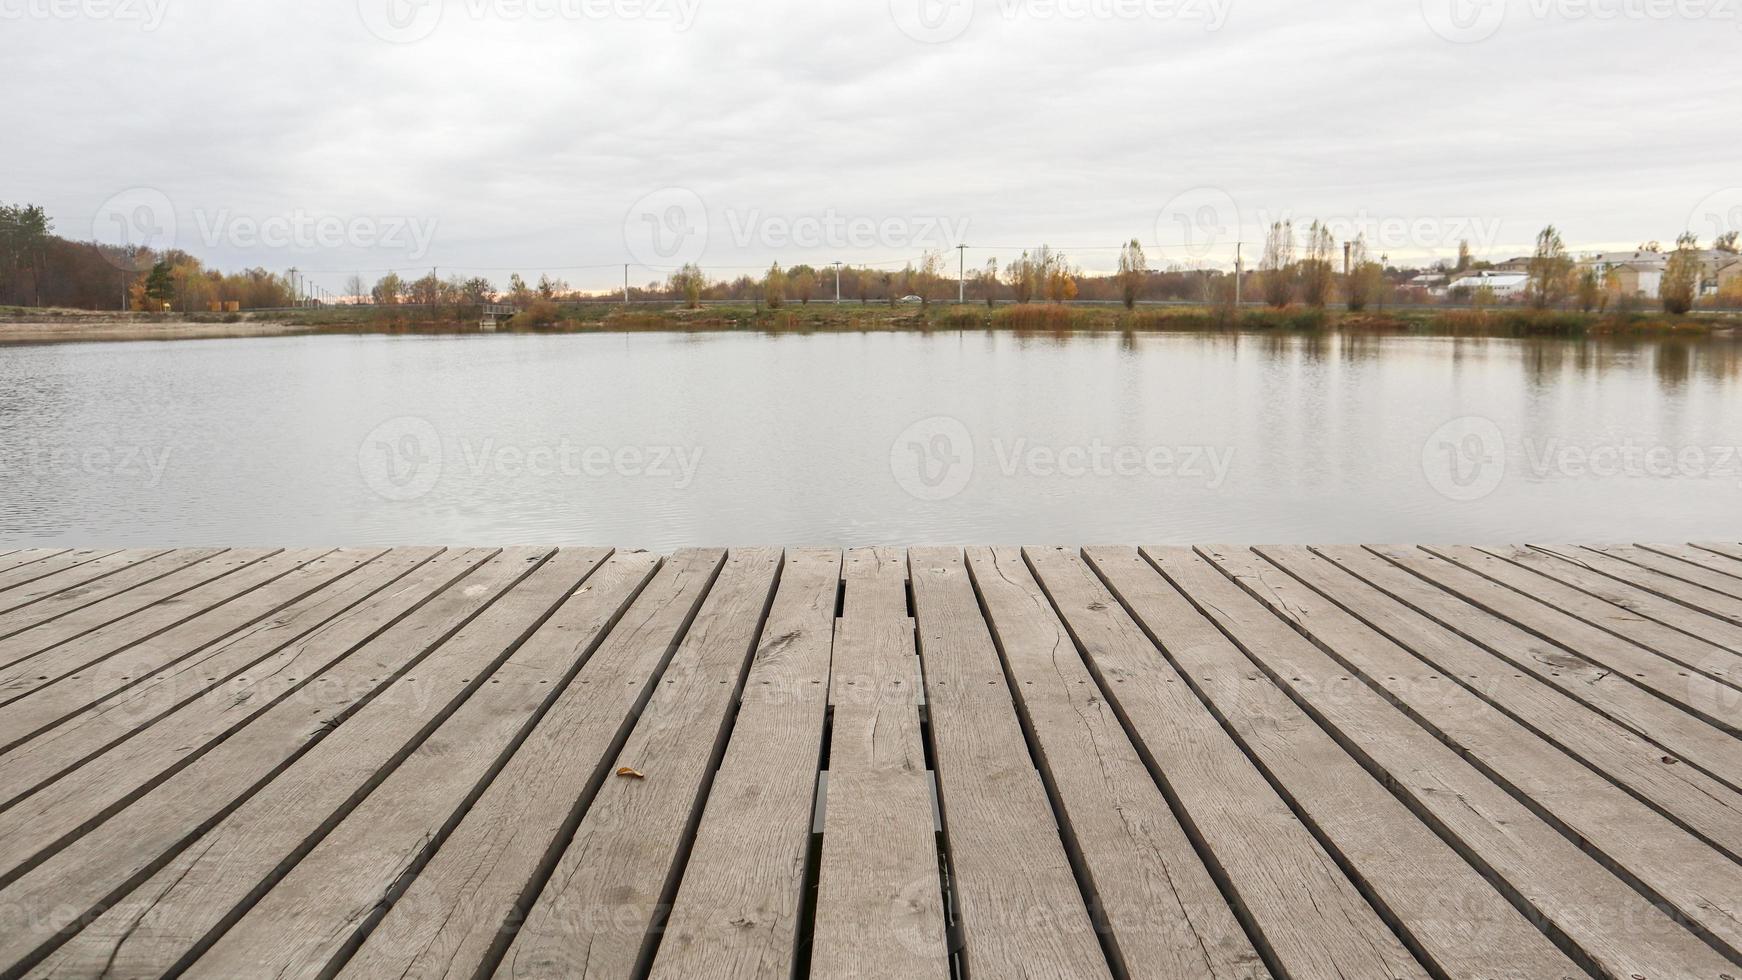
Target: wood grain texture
[
  {"x": 1007, "y": 861},
  {"x": 87, "y": 872},
  {"x": 458, "y": 916},
  {"x": 1707, "y": 697},
  {"x": 1377, "y": 697},
  {"x": 595, "y": 917},
  {"x": 79, "y": 738},
  {"x": 54, "y": 573},
  {"x": 1165, "y": 914},
  {"x": 1642, "y": 588},
  {"x": 1306, "y": 915},
  {"x": 880, "y": 906},
  {"x": 737, "y": 907},
  {"x": 137, "y": 663}
]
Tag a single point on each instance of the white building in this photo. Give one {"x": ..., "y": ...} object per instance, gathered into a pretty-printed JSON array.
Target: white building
[{"x": 1503, "y": 285}]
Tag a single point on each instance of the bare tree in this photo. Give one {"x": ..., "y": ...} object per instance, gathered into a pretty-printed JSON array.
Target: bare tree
[
  {"x": 1133, "y": 267},
  {"x": 1681, "y": 276},
  {"x": 1277, "y": 268},
  {"x": 1317, "y": 275},
  {"x": 1550, "y": 271}
]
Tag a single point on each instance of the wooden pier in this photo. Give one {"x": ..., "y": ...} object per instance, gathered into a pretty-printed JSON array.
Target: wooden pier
[{"x": 1337, "y": 762}]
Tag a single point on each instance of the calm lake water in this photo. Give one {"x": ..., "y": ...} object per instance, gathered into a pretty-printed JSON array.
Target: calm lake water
[{"x": 661, "y": 440}]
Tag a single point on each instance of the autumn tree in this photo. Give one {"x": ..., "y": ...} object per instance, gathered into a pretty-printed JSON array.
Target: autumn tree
[
  {"x": 1728, "y": 242},
  {"x": 688, "y": 282},
  {"x": 1366, "y": 277},
  {"x": 803, "y": 280},
  {"x": 1023, "y": 278},
  {"x": 1550, "y": 271},
  {"x": 1317, "y": 274},
  {"x": 355, "y": 289},
  {"x": 388, "y": 289},
  {"x": 1132, "y": 270},
  {"x": 1590, "y": 290},
  {"x": 1464, "y": 257},
  {"x": 1681, "y": 276},
  {"x": 1058, "y": 276},
  {"x": 1277, "y": 268},
  {"x": 986, "y": 281},
  {"x": 774, "y": 287}
]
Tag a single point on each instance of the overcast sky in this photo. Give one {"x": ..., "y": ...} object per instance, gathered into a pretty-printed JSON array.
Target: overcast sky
[{"x": 483, "y": 136}]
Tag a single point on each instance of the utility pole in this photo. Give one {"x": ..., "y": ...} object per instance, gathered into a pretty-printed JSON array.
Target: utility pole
[
  {"x": 1239, "y": 271},
  {"x": 1346, "y": 259},
  {"x": 961, "y": 275},
  {"x": 625, "y": 284},
  {"x": 837, "y": 283},
  {"x": 293, "y": 289}
]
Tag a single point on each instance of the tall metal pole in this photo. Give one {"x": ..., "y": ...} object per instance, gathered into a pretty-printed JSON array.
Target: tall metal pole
[
  {"x": 625, "y": 284},
  {"x": 961, "y": 274},
  {"x": 837, "y": 283}
]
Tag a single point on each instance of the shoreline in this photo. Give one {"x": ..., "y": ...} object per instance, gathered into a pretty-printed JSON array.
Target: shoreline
[{"x": 22, "y": 327}]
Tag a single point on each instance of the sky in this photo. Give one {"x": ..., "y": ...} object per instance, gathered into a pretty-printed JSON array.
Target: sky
[{"x": 570, "y": 137}]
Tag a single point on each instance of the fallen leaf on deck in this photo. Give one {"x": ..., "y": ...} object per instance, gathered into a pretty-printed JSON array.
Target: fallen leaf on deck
[{"x": 630, "y": 773}]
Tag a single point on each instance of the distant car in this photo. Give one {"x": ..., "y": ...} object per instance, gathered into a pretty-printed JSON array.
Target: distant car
[{"x": 912, "y": 300}]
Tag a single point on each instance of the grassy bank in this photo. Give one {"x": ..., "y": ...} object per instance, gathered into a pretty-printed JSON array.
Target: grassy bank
[{"x": 820, "y": 317}]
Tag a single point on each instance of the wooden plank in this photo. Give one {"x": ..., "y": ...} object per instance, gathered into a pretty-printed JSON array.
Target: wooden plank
[
  {"x": 1639, "y": 585},
  {"x": 1304, "y": 914},
  {"x": 27, "y": 556},
  {"x": 61, "y": 564},
  {"x": 1408, "y": 704},
  {"x": 1165, "y": 915},
  {"x": 737, "y": 908},
  {"x": 456, "y": 918},
  {"x": 76, "y": 877},
  {"x": 146, "y": 584},
  {"x": 140, "y": 614},
  {"x": 1427, "y": 619},
  {"x": 880, "y": 909},
  {"x": 1527, "y": 710},
  {"x": 597, "y": 916},
  {"x": 92, "y": 581},
  {"x": 310, "y": 920},
  {"x": 1537, "y": 575},
  {"x": 1723, "y": 549},
  {"x": 282, "y": 580},
  {"x": 306, "y": 686},
  {"x": 1448, "y": 913},
  {"x": 166, "y": 921},
  {"x": 1007, "y": 861},
  {"x": 1709, "y": 700},
  {"x": 1685, "y": 562},
  {"x": 290, "y": 636}
]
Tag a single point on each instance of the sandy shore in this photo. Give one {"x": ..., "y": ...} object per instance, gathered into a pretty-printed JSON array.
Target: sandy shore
[{"x": 91, "y": 329}]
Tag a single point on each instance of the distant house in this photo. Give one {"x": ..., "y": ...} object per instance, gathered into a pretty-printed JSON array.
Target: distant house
[
  {"x": 1640, "y": 273},
  {"x": 1503, "y": 285}
]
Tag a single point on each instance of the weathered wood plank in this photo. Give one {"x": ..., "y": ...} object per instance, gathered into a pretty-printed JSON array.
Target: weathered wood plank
[
  {"x": 166, "y": 921},
  {"x": 43, "y": 818},
  {"x": 1487, "y": 651},
  {"x": 1307, "y": 918},
  {"x": 146, "y": 611},
  {"x": 78, "y": 876},
  {"x": 27, "y": 556},
  {"x": 737, "y": 907},
  {"x": 88, "y": 584},
  {"x": 459, "y": 914},
  {"x": 1537, "y": 575},
  {"x": 77, "y": 739},
  {"x": 880, "y": 906},
  {"x": 1723, "y": 549},
  {"x": 1165, "y": 914},
  {"x": 1685, "y": 562},
  {"x": 1708, "y": 699},
  {"x": 61, "y": 564},
  {"x": 1451, "y": 916},
  {"x": 1007, "y": 861},
  {"x": 1641, "y": 586},
  {"x": 234, "y": 608},
  {"x": 1400, "y": 693},
  {"x": 313, "y": 917},
  {"x": 598, "y": 914}
]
